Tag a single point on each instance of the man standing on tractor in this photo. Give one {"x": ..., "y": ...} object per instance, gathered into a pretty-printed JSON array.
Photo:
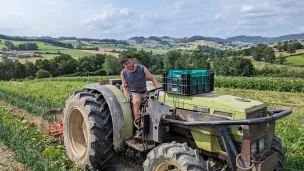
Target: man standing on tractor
[{"x": 134, "y": 77}]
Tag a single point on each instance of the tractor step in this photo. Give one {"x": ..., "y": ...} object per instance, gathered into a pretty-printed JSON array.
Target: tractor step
[{"x": 138, "y": 145}]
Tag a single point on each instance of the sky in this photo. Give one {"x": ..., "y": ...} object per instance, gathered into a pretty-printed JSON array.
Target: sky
[{"x": 122, "y": 19}]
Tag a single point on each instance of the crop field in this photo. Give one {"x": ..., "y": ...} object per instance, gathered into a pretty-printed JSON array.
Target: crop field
[{"x": 38, "y": 96}]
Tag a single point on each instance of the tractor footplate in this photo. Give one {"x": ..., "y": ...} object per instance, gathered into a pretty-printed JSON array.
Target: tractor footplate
[{"x": 139, "y": 145}]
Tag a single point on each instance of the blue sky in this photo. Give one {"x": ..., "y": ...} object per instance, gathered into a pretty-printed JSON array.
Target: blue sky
[{"x": 122, "y": 19}]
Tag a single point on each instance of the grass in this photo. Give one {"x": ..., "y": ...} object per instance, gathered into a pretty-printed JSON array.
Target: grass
[
  {"x": 262, "y": 64},
  {"x": 287, "y": 54},
  {"x": 295, "y": 60},
  {"x": 73, "y": 42},
  {"x": 290, "y": 129},
  {"x": 292, "y": 135}
]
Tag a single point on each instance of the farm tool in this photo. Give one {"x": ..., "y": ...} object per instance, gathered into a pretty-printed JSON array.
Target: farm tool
[
  {"x": 185, "y": 125},
  {"x": 55, "y": 128}
]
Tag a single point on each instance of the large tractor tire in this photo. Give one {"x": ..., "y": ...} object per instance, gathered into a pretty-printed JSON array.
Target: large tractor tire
[
  {"x": 174, "y": 156},
  {"x": 277, "y": 147},
  {"x": 88, "y": 130}
]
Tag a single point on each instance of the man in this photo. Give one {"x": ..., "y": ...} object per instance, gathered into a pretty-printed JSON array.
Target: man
[{"x": 134, "y": 78}]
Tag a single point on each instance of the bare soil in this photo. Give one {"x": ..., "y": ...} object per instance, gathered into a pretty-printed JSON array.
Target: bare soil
[{"x": 7, "y": 160}]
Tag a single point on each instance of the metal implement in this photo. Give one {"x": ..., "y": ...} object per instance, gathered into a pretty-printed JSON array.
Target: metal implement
[{"x": 51, "y": 116}]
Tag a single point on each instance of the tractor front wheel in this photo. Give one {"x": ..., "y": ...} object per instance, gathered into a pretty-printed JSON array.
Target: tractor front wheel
[
  {"x": 174, "y": 156},
  {"x": 88, "y": 130},
  {"x": 277, "y": 147}
]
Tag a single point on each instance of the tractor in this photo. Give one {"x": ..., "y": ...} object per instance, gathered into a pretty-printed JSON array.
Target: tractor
[{"x": 185, "y": 126}]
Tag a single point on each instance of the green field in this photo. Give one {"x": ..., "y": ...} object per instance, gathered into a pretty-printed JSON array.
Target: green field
[
  {"x": 295, "y": 60},
  {"x": 42, "y": 47},
  {"x": 73, "y": 42},
  {"x": 262, "y": 64},
  {"x": 287, "y": 54},
  {"x": 290, "y": 129}
]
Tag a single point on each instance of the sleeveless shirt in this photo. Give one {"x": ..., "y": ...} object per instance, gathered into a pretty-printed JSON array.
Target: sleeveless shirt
[{"x": 136, "y": 80}]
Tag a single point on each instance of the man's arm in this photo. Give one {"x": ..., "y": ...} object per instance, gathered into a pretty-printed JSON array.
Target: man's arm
[
  {"x": 124, "y": 84},
  {"x": 151, "y": 77}
]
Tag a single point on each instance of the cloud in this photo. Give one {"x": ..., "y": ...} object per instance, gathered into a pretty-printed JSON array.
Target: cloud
[{"x": 219, "y": 16}]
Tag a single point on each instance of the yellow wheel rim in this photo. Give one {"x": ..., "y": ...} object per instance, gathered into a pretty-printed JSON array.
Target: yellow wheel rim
[{"x": 168, "y": 166}]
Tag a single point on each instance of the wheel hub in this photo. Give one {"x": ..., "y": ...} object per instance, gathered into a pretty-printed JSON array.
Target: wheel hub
[
  {"x": 168, "y": 166},
  {"x": 78, "y": 133}
]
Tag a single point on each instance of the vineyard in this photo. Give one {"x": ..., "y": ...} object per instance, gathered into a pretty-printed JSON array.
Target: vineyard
[{"x": 38, "y": 152}]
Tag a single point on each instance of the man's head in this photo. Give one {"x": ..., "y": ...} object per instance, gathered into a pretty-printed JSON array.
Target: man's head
[{"x": 127, "y": 62}]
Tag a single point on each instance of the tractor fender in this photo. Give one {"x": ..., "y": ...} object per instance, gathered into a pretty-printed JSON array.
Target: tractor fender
[{"x": 120, "y": 112}]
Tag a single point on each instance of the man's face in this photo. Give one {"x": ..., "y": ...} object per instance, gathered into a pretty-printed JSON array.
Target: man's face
[{"x": 129, "y": 64}]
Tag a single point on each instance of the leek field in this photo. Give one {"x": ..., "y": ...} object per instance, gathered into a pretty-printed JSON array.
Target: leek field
[{"x": 37, "y": 152}]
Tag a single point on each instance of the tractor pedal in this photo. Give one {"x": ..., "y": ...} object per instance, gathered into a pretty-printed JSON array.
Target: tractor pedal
[{"x": 138, "y": 144}]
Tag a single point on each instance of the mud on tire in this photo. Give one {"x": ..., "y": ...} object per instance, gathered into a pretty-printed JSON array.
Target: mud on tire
[
  {"x": 88, "y": 130},
  {"x": 177, "y": 154}
]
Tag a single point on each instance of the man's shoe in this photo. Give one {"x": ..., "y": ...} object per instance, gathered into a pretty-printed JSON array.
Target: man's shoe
[{"x": 138, "y": 134}]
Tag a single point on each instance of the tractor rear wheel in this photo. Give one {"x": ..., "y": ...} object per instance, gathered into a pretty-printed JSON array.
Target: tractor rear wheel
[
  {"x": 88, "y": 130},
  {"x": 174, "y": 156},
  {"x": 277, "y": 147}
]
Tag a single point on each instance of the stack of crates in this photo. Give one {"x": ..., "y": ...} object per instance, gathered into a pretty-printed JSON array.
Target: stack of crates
[{"x": 188, "y": 82}]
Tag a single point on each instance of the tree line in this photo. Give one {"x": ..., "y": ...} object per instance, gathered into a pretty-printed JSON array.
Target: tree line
[
  {"x": 23, "y": 46},
  {"x": 65, "y": 65},
  {"x": 50, "y": 41}
]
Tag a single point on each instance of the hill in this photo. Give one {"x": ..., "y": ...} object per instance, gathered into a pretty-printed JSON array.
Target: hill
[{"x": 260, "y": 39}]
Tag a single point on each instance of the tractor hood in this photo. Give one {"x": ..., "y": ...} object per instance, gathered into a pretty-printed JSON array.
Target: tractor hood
[{"x": 214, "y": 103}]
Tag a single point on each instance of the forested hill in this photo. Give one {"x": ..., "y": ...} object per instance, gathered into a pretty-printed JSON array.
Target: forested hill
[
  {"x": 166, "y": 39},
  {"x": 260, "y": 39}
]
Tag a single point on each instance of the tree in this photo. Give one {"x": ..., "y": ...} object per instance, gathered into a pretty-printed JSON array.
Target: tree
[
  {"x": 242, "y": 67},
  {"x": 237, "y": 66},
  {"x": 20, "y": 71},
  {"x": 9, "y": 45},
  {"x": 280, "y": 47},
  {"x": 258, "y": 52},
  {"x": 65, "y": 64},
  {"x": 285, "y": 45},
  {"x": 43, "y": 64},
  {"x": 112, "y": 66},
  {"x": 269, "y": 55},
  {"x": 31, "y": 46},
  {"x": 297, "y": 45},
  {"x": 0, "y": 41},
  {"x": 170, "y": 58},
  {"x": 199, "y": 61},
  {"x": 22, "y": 46},
  {"x": 42, "y": 74},
  {"x": 30, "y": 69},
  {"x": 282, "y": 58},
  {"x": 291, "y": 49}
]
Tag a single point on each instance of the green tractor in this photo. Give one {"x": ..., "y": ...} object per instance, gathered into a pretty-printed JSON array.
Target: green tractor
[{"x": 185, "y": 126}]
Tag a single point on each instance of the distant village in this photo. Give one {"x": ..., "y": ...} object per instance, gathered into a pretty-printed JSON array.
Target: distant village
[{"x": 15, "y": 55}]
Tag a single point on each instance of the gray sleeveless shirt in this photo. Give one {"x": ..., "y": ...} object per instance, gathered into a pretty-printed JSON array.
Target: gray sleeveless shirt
[{"x": 136, "y": 80}]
